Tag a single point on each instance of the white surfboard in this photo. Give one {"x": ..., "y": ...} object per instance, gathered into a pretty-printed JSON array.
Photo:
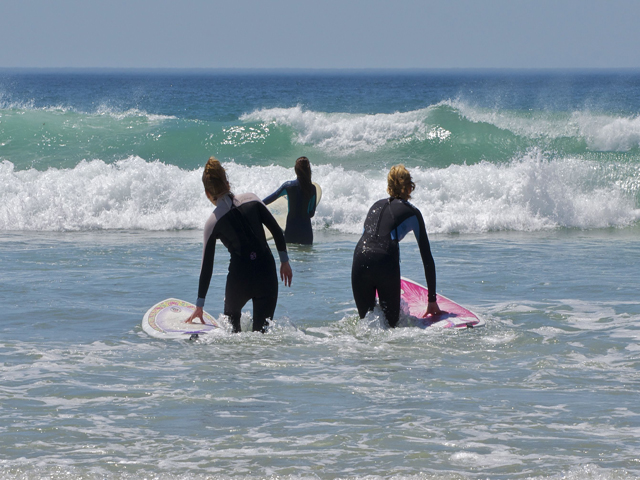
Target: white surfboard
[
  {"x": 280, "y": 209},
  {"x": 166, "y": 319}
]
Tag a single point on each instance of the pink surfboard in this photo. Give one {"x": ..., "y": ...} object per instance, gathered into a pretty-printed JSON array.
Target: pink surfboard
[{"x": 413, "y": 302}]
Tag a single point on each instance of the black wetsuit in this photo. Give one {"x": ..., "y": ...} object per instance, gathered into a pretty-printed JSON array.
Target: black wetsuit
[
  {"x": 376, "y": 260},
  {"x": 237, "y": 221},
  {"x": 302, "y": 207}
]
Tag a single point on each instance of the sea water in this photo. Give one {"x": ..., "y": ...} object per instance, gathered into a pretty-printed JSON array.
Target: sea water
[{"x": 529, "y": 183}]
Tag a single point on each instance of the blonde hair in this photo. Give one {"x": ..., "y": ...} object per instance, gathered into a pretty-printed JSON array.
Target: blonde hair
[
  {"x": 399, "y": 183},
  {"x": 214, "y": 179}
]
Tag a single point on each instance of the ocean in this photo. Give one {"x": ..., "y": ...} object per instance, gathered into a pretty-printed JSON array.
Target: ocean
[{"x": 529, "y": 183}]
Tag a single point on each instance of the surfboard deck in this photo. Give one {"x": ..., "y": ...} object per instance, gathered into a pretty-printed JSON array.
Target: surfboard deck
[
  {"x": 166, "y": 319},
  {"x": 414, "y": 299},
  {"x": 280, "y": 209}
]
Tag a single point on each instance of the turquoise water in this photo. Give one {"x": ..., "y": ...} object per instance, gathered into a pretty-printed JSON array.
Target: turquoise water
[{"x": 529, "y": 185}]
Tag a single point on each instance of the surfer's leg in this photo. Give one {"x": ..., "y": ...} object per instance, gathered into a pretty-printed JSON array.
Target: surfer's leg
[
  {"x": 265, "y": 294},
  {"x": 364, "y": 291},
  {"x": 389, "y": 292},
  {"x": 263, "y": 310},
  {"x": 233, "y": 311},
  {"x": 235, "y": 297}
]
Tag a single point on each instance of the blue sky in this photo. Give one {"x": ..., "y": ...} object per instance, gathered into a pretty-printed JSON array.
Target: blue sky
[{"x": 320, "y": 34}]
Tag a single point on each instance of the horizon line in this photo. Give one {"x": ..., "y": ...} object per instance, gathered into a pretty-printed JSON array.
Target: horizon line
[{"x": 320, "y": 69}]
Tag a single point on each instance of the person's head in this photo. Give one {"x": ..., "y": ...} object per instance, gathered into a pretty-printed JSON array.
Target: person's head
[
  {"x": 303, "y": 170},
  {"x": 399, "y": 183},
  {"x": 215, "y": 180}
]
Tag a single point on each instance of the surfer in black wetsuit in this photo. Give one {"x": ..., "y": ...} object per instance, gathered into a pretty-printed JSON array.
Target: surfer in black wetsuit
[
  {"x": 376, "y": 260},
  {"x": 302, "y": 197},
  {"x": 237, "y": 221}
]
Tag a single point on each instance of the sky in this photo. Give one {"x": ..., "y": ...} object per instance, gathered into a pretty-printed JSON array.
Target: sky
[{"x": 319, "y": 34}]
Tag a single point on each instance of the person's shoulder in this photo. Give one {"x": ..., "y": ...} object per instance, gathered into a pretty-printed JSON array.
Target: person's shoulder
[
  {"x": 416, "y": 211},
  {"x": 410, "y": 205},
  {"x": 211, "y": 222},
  {"x": 406, "y": 207},
  {"x": 246, "y": 198},
  {"x": 377, "y": 204}
]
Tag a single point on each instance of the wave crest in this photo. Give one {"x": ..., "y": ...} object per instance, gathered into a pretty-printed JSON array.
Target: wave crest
[
  {"x": 601, "y": 132},
  {"x": 345, "y": 133}
]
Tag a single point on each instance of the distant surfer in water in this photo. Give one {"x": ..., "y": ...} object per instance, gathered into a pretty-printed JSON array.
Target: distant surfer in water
[
  {"x": 376, "y": 260},
  {"x": 237, "y": 221},
  {"x": 302, "y": 197}
]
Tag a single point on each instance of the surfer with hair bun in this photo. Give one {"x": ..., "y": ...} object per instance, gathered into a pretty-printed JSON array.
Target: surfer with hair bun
[
  {"x": 238, "y": 222},
  {"x": 302, "y": 196},
  {"x": 376, "y": 260}
]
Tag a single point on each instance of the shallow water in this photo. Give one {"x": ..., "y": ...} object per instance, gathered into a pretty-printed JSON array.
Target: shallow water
[{"x": 547, "y": 389}]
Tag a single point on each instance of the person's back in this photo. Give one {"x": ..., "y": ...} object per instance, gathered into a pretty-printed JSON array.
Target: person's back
[
  {"x": 238, "y": 222},
  {"x": 302, "y": 198},
  {"x": 376, "y": 259},
  {"x": 239, "y": 225},
  {"x": 302, "y": 207}
]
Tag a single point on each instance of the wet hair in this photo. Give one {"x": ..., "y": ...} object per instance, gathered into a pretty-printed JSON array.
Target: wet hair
[
  {"x": 303, "y": 172},
  {"x": 214, "y": 179},
  {"x": 399, "y": 183}
]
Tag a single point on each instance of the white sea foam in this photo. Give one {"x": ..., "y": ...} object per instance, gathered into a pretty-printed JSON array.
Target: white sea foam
[
  {"x": 345, "y": 133},
  {"x": 609, "y": 133},
  {"x": 601, "y": 132},
  {"x": 528, "y": 194},
  {"x": 130, "y": 194}
]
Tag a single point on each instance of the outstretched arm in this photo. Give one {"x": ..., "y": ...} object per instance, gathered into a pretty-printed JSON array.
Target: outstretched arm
[
  {"x": 277, "y": 194},
  {"x": 267, "y": 219},
  {"x": 206, "y": 270},
  {"x": 429, "y": 265}
]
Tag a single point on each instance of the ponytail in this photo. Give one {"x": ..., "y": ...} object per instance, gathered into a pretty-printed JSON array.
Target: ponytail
[{"x": 303, "y": 172}]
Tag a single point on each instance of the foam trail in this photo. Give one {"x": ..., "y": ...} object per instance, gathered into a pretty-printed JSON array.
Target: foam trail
[{"x": 102, "y": 110}]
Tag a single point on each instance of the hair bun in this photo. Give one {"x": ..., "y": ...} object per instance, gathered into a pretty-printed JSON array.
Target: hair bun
[{"x": 215, "y": 178}]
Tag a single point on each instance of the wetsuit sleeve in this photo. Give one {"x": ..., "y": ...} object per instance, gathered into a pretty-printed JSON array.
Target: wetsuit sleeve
[
  {"x": 206, "y": 270},
  {"x": 277, "y": 194},
  {"x": 427, "y": 258},
  {"x": 276, "y": 231}
]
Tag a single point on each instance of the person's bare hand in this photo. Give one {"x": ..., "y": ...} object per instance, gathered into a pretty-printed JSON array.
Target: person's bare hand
[
  {"x": 197, "y": 313},
  {"x": 286, "y": 274}
]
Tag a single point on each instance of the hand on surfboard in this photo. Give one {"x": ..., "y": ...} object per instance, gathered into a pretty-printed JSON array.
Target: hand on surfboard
[
  {"x": 433, "y": 309},
  {"x": 197, "y": 313},
  {"x": 286, "y": 274}
]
